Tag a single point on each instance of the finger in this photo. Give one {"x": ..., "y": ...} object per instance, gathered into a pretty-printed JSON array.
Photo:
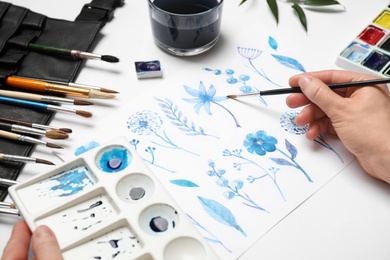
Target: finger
[
  {"x": 45, "y": 245},
  {"x": 332, "y": 76},
  {"x": 320, "y": 94},
  {"x": 19, "y": 243},
  {"x": 319, "y": 127},
  {"x": 309, "y": 114},
  {"x": 297, "y": 100}
]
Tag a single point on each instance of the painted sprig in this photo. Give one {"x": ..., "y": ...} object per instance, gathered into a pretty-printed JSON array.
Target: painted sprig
[{"x": 296, "y": 5}]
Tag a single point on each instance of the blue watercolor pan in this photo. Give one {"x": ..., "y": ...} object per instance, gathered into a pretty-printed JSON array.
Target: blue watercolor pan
[
  {"x": 107, "y": 204},
  {"x": 369, "y": 52}
]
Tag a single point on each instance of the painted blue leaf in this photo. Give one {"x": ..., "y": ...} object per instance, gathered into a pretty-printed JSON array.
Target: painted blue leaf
[
  {"x": 280, "y": 161},
  {"x": 291, "y": 149},
  {"x": 220, "y": 213},
  {"x": 289, "y": 62},
  {"x": 184, "y": 183},
  {"x": 207, "y": 69},
  {"x": 273, "y": 43}
]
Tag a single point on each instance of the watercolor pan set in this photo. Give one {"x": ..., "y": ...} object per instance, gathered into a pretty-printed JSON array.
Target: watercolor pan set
[
  {"x": 107, "y": 204},
  {"x": 370, "y": 51}
]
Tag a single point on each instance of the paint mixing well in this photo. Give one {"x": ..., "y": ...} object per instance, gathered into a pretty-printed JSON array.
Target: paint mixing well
[{"x": 107, "y": 204}]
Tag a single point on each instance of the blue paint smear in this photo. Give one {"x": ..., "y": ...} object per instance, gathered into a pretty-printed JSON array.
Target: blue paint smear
[
  {"x": 86, "y": 147},
  {"x": 71, "y": 182},
  {"x": 117, "y": 154}
]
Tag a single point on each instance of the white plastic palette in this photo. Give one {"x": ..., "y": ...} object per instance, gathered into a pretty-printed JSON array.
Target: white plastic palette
[
  {"x": 369, "y": 52},
  {"x": 107, "y": 204}
]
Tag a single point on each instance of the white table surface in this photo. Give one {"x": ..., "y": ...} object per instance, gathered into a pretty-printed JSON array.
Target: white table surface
[{"x": 349, "y": 218}]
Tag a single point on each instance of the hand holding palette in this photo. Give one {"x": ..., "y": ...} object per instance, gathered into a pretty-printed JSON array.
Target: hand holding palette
[
  {"x": 370, "y": 51},
  {"x": 107, "y": 204}
]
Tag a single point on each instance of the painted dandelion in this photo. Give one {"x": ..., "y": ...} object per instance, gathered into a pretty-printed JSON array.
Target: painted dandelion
[
  {"x": 147, "y": 122},
  {"x": 251, "y": 54},
  {"x": 204, "y": 98},
  {"x": 287, "y": 121}
]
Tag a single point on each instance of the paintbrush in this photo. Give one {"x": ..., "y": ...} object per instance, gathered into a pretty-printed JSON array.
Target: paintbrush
[
  {"x": 41, "y": 98},
  {"x": 10, "y": 211},
  {"x": 71, "y": 53},
  {"x": 17, "y": 158},
  {"x": 42, "y": 86},
  {"x": 298, "y": 90},
  {"x": 36, "y": 105},
  {"x": 27, "y": 139},
  {"x": 34, "y": 125},
  {"x": 73, "y": 84},
  {"x": 52, "y": 134}
]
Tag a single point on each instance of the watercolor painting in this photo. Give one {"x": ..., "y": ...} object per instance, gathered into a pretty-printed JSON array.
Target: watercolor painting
[{"x": 236, "y": 167}]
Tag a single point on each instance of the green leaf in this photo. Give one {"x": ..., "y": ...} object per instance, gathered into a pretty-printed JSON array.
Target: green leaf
[
  {"x": 321, "y": 2},
  {"x": 274, "y": 9},
  {"x": 301, "y": 15},
  {"x": 243, "y": 1}
]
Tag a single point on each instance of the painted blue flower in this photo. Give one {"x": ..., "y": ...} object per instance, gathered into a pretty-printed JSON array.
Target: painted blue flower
[
  {"x": 260, "y": 143},
  {"x": 144, "y": 122},
  {"x": 287, "y": 121},
  {"x": 203, "y": 98}
]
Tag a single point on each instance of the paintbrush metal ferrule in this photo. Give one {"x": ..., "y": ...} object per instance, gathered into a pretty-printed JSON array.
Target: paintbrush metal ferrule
[
  {"x": 7, "y": 182},
  {"x": 27, "y": 130},
  {"x": 10, "y": 211},
  {"x": 28, "y": 139},
  {"x": 85, "y": 55},
  {"x": 7, "y": 204}
]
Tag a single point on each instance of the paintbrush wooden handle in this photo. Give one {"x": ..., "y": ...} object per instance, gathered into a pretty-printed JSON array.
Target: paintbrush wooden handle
[
  {"x": 8, "y": 135},
  {"x": 43, "y": 86},
  {"x": 20, "y": 95},
  {"x": 26, "y": 84}
]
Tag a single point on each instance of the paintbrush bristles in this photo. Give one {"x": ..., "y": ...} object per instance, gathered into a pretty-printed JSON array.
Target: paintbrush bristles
[
  {"x": 50, "y": 145},
  {"x": 42, "y": 161},
  {"x": 98, "y": 94},
  {"x": 83, "y": 113},
  {"x": 106, "y": 90},
  {"x": 79, "y": 102},
  {"x": 56, "y": 134}
]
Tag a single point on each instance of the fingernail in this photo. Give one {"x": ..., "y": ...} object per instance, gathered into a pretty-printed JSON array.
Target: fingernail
[
  {"x": 304, "y": 81},
  {"x": 43, "y": 231}
]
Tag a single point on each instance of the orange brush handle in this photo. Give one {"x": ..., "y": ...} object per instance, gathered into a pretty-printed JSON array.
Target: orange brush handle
[
  {"x": 43, "y": 86},
  {"x": 29, "y": 84}
]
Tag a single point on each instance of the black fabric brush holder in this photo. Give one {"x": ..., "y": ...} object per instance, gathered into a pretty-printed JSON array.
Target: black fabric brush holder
[{"x": 20, "y": 26}]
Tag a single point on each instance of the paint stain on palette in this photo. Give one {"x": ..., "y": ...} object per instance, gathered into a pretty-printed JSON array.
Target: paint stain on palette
[
  {"x": 120, "y": 243},
  {"x": 59, "y": 186},
  {"x": 80, "y": 218},
  {"x": 369, "y": 52}
]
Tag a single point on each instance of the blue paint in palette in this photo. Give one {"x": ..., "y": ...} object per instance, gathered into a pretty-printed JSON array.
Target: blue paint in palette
[
  {"x": 376, "y": 60},
  {"x": 71, "y": 182},
  {"x": 114, "y": 160}
]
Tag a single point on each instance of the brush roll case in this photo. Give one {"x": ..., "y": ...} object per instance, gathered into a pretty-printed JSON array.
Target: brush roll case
[{"x": 20, "y": 26}]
